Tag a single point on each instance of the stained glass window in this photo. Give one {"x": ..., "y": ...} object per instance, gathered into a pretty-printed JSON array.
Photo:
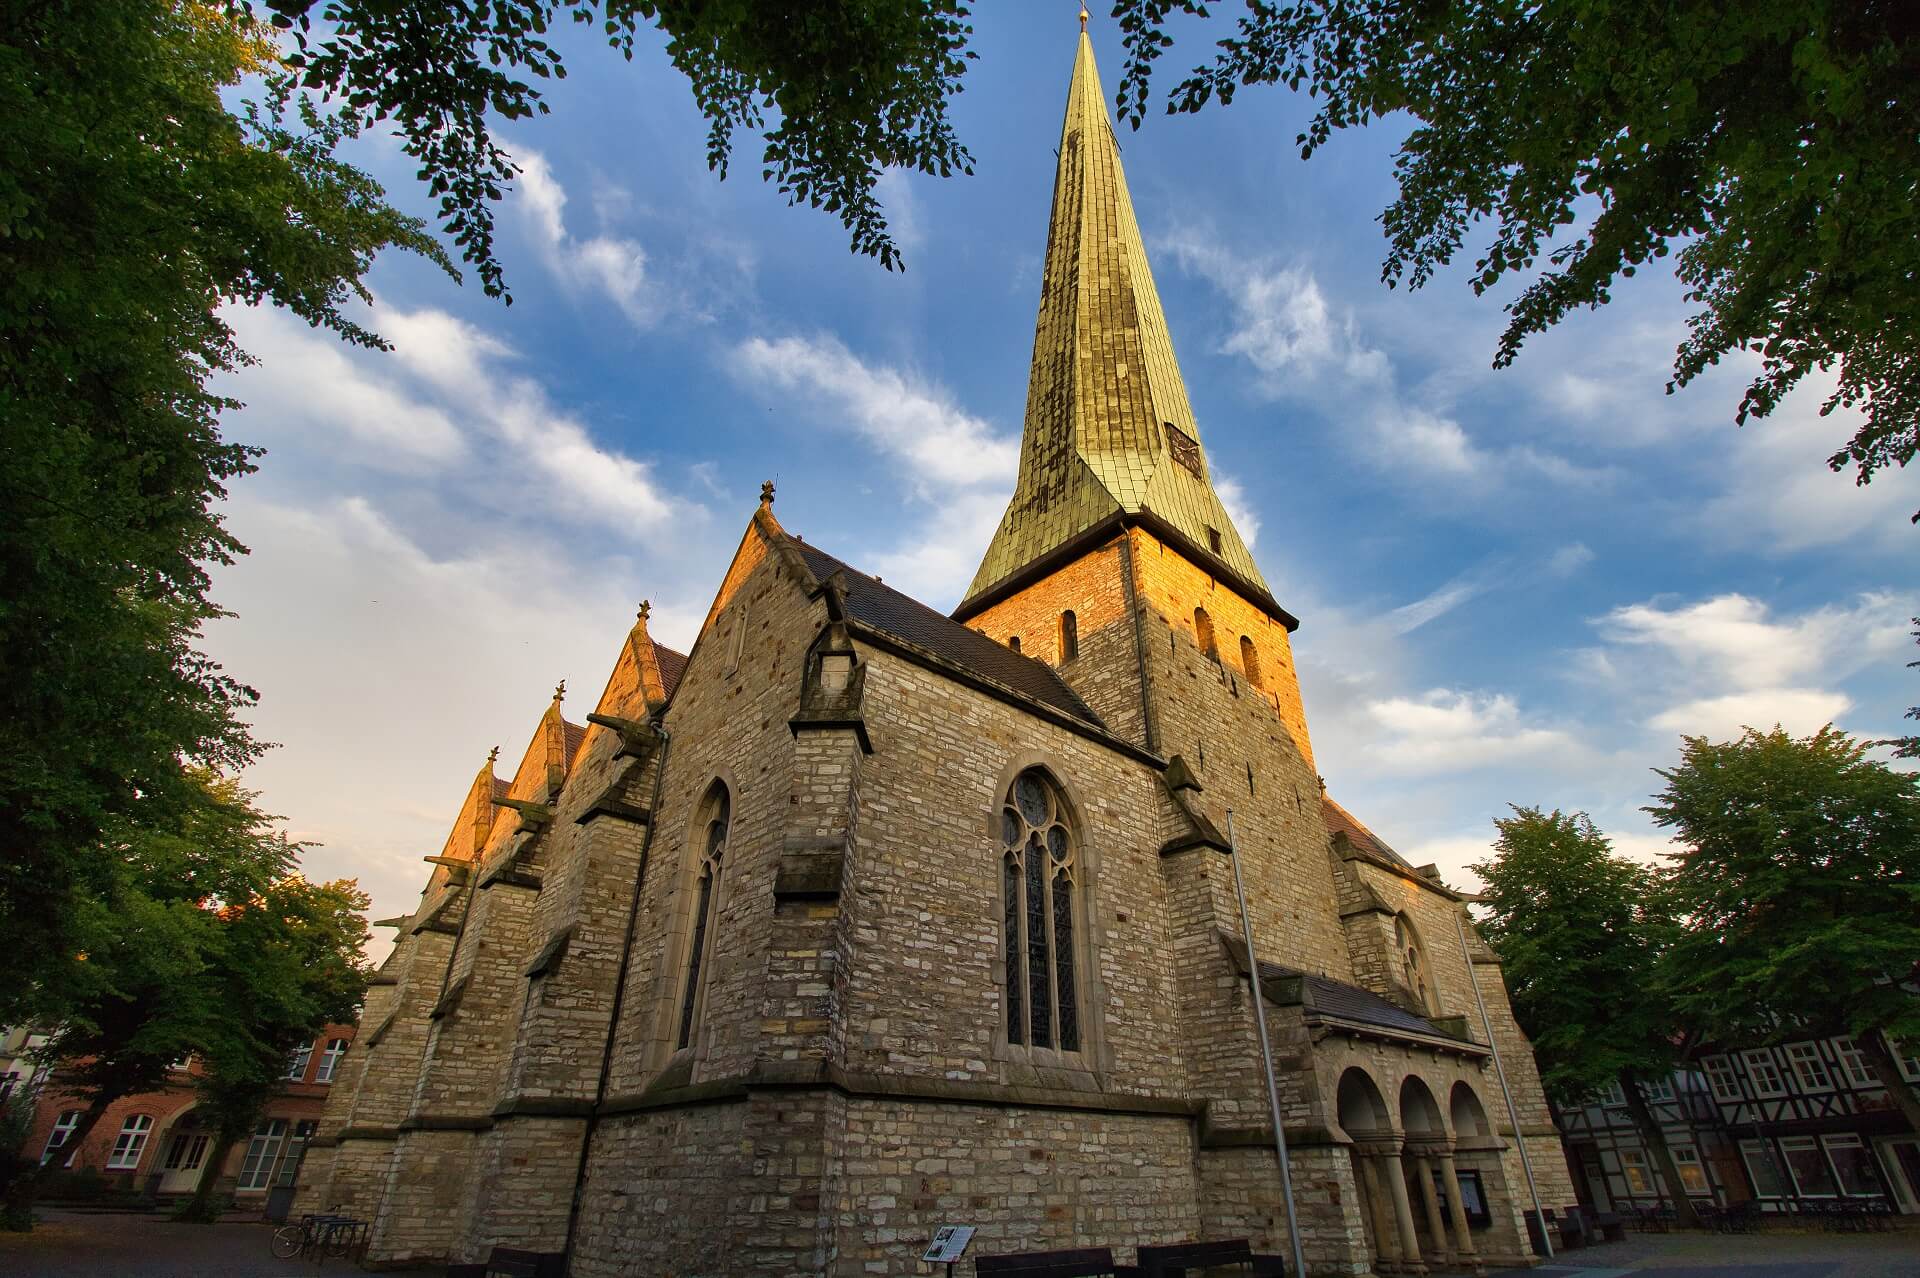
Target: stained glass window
[
  {"x": 1039, "y": 870},
  {"x": 714, "y": 840}
]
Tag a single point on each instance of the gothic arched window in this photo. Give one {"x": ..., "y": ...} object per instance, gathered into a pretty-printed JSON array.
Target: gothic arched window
[
  {"x": 1413, "y": 963},
  {"x": 1250, "y": 661},
  {"x": 1039, "y": 871},
  {"x": 1203, "y": 632},
  {"x": 1069, "y": 636},
  {"x": 710, "y": 829}
]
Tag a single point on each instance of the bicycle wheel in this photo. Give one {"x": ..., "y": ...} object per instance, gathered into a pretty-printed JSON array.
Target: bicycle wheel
[{"x": 286, "y": 1242}]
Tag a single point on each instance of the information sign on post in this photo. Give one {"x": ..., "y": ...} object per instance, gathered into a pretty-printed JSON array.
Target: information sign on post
[{"x": 948, "y": 1245}]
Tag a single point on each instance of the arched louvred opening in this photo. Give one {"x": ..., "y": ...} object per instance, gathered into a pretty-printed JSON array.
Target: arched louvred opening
[
  {"x": 1203, "y": 632},
  {"x": 1069, "y": 636},
  {"x": 710, "y": 829},
  {"x": 1250, "y": 661},
  {"x": 1040, "y": 874},
  {"x": 1412, "y": 959}
]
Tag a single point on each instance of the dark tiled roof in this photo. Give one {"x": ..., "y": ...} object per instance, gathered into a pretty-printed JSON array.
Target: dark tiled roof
[
  {"x": 1351, "y": 1003},
  {"x": 875, "y": 604},
  {"x": 672, "y": 665},
  {"x": 1341, "y": 821},
  {"x": 575, "y": 734},
  {"x": 500, "y": 788}
]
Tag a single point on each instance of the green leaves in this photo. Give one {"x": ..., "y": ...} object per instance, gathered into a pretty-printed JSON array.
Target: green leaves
[{"x": 1770, "y": 143}]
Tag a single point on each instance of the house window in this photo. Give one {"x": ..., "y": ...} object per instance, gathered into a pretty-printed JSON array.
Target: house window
[
  {"x": 1763, "y": 1169},
  {"x": 296, "y": 1148},
  {"x": 1909, "y": 1063},
  {"x": 1809, "y": 1068},
  {"x": 257, "y": 1168},
  {"x": 186, "y": 1151},
  {"x": 297, "y": 1067},
  {"x": 330, "y": 1060},
  {"x": 1854, "y": 1061},
  {"x": 58, "y": 1137},
  {"x": 1658, "y": 1089},
  {"x": 1853, "y": 1162},
  {"x": 711, "y": 831},
  {"x": 1693, "y": 1176},
  {"x": 1633, "y": 1166},
  {"x": 131, "y": 1143},
  {"x": 1039, "y": 869},
  {"x": 1250, "y": 661},
  {"x": 1413, "y": 963},
  {"x": 1722, "y": 1078},
  {"x": 1811, "y": 1174},
  {"x": 1069, "y": 636},
  {"x": 1765, "y": 1075},
  {"x": 1203, "y": 633}
]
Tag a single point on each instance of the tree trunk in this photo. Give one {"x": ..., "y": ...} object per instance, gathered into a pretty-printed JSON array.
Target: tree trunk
[
  {"x": 1656, "y": 1140},
  {"x": 24, "y": 1187},
  {"x": 1879, "y": 1053},
  {"x": 201, "y": 1208}
]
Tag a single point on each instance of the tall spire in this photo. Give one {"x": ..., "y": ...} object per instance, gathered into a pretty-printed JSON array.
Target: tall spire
[{"x": 1109, "y": 432}]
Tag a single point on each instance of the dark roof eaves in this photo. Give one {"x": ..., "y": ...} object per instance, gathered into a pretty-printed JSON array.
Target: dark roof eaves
[{"x": 999, "y": 691}]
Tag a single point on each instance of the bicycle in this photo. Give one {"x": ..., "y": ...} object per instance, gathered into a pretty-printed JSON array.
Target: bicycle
[{"x": 320, "y": 1236}]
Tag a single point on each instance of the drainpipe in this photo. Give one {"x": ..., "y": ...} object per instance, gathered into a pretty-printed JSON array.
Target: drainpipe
[{"x": 619, "y": 998}]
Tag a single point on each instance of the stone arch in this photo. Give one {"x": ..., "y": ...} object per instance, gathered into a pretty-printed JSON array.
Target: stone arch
[
  {"x": 1203, "y": 633},
  {"x": 1468, "y": 1114},
  {"x": 1250, "y": 661},
  {"x": 1363, "y": 1110},
  {"x": 1419, "y": 1112}
]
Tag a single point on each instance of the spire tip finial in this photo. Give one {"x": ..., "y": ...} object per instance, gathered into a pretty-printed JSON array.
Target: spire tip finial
[
  {"x": 766, "y": 493},
  {"x": 646, "y": 610},
  {"x": 493, "y": 756},
  {"x": 1083, "y": 17}
]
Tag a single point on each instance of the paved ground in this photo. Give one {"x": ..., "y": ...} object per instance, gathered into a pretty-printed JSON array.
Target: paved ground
[
  {"x": 1769, "y": 1255},
  {"x": 67, "y": 1244}
]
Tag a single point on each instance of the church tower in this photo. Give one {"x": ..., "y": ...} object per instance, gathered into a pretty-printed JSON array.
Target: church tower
[{"x": 1115, "y": 530}]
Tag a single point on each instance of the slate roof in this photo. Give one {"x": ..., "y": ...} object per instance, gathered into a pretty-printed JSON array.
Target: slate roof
[
  {"x": 672, "y": 665},
  {"x": 575, "y": 734},
  {"x": 1328, "y": 997},
  {"x": 880, "y": 606},
  {"x": 500, "y": 787},
  {"x": 1341, "y": 821}
]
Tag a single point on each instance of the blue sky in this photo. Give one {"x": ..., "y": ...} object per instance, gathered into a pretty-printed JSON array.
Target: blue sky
[{"x": 1517, "y": 586}]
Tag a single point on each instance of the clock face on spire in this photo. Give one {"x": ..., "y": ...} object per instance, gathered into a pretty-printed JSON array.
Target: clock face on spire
[{"x": 1109, "y": 432}]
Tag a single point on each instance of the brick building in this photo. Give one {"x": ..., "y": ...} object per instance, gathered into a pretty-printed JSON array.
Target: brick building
[
  {"x": 155, "y": 1143},
  {"x": 860, "y": 919}
]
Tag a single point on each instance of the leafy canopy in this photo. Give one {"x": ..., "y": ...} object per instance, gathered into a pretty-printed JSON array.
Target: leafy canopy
[
  {"x": 133, "y": 206},
  {"x": 1800, "y": 884},
  {"x": 1770, "y": 143},
  {"x": 839, "y": 89},
  {"x": 1579, "y": 932}
]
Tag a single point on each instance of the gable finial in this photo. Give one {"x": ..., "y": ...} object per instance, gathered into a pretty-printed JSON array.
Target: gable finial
[
  {"x": 766, "y": 493},
  {"x": 646, "y": 610},
  {"x": 493, "y": 757},
  {"x": 1083, "y": 17},
  {"x": 560, "y": 691}
]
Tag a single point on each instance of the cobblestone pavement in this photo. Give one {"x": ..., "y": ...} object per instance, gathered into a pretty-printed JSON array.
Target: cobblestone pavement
[
  {"x": 1771, "y": 1255},
  {"x": 68, "y": 1244}
]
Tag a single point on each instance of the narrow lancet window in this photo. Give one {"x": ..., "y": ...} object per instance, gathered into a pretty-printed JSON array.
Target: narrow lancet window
[
  {"x": 1013, "y": 642},
  {"x": 1250, "y": 661},
  {"x": 1039, "y": 872},
  {"x": 1069, "y": 636},
  {"x": 1203, "y": 632},
  {"x": 711, "y": 830}
]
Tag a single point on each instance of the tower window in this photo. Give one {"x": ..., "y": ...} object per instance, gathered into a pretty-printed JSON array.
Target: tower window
[
  {"x": 1069, "y": 636},
  {"x": 1213, "y": 540},
  {"x": 1013, "y": 642},
  {"x": 712, "y": 833},
  {"x": 1039, "y": 870},
  {"x": 1250, "y": 661},
  {"x": 1184, "y": 447},
  {"x": 1203, "y": 633}
]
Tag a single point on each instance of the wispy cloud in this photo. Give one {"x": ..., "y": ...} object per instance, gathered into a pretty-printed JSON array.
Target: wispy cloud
[{"x": 613, "y": 265}]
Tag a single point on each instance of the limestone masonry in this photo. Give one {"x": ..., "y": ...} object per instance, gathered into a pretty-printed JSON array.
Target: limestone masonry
[{"x": 859, "y": 919}]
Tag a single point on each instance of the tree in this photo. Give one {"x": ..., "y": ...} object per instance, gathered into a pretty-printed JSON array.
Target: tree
[
  {"x": 1909, "y": 747},
  {"x": 1580, "y": 932},
  {"x": 288, "y": 964},
  {"x": 201, "y": 943},
  {"x": 1800, "y": 884},
  {"x": 133, "y": 205},
  {"x": 852, "y": 87},
  {"x": 1769, "y": 143}
]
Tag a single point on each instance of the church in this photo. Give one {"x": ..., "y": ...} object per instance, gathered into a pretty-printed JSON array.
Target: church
[{"x": 861, "y": 919}]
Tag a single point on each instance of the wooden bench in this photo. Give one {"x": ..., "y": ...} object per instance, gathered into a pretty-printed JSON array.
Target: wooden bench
[
  {"x": 513, "y": 1262},
  {"x": 1074, "y": 1262},
  {"x": 1174, "y": 1259}
]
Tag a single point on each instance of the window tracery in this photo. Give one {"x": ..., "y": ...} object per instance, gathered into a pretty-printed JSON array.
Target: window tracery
[
  {"x": 1039, "y": 871},
  {"x": 1413, "y": 963},
  {"x": 712, "y": 829}
]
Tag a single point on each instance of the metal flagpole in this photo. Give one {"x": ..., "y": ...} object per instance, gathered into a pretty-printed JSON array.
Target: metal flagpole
[
  {"x": 1513, "y": 1112},
  {"x": 1266, "y": 1052}
]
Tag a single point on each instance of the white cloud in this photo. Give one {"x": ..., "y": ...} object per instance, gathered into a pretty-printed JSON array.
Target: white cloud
[
  {"x": 613, "y": 265},
  {"x": 1798, "y": 710},
  {"x": 1233, "y": 498},
  {"x": 1449, "y": 730}
]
